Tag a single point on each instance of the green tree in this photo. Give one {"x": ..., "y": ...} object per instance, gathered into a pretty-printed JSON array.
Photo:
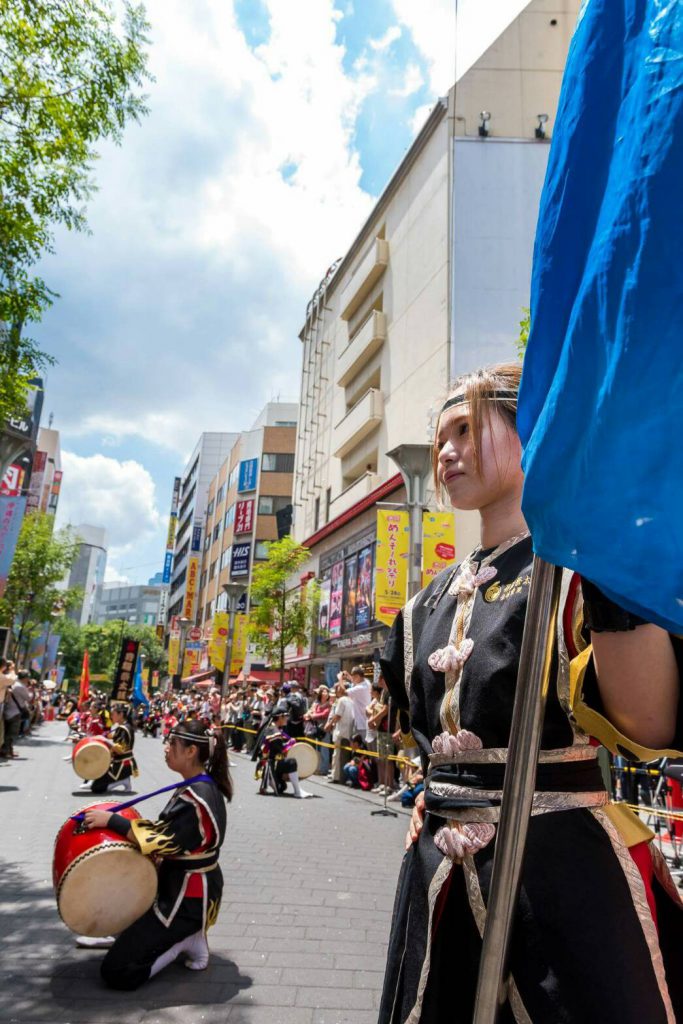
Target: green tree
[
  {"x": 32, "y": 596},
  {"x": 70, "y": 76},
  {"x": 523, "y": 336},
  {"x": 103, "y": 644},
  {"x": 279, "y": 615}
]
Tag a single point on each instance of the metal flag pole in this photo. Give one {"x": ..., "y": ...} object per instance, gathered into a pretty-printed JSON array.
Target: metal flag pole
[{"x": 518, "y": 786}]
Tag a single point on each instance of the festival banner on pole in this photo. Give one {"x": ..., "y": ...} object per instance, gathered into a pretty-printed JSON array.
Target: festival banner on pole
[
  {"x": 191, "y": 661},
  {"x": 391, "y": 563},
  {"x": 438, "y": 544},
  {"x": 336, "y": 599},
  {"x": 219, "y": 640},
  {"x": 122, "y": 687},
  {"x": 239, "y": 644},
  {"x": 11, "y": 518},
  {"x": 173, "y": 653}
]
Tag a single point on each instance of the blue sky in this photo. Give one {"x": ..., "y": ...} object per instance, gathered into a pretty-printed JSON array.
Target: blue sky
[{"x": 273, "y": 127}]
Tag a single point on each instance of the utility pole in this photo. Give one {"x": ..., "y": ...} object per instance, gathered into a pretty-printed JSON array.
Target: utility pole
[{"x": 233, "y": 592}]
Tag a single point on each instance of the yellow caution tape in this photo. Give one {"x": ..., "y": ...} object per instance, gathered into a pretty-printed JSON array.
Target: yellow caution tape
[{"x": 329, "y": 746}]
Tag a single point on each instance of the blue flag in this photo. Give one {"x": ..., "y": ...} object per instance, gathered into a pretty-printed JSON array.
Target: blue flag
[
  {"x": 138, "y": 692},
  {"x": 601, "y": 403}
]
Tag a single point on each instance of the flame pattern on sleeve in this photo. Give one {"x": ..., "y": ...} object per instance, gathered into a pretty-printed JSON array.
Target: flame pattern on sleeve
[{"x": 156, "y": 837}]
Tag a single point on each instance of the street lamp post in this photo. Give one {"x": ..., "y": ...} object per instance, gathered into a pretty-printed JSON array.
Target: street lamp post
[
  {"x": 415, "y": 463},
  {"x": 233, "y": 592},
  {"x": 185, "y": 625}
]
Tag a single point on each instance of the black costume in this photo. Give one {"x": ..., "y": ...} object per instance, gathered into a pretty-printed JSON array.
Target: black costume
[
  {"x": 187, "y": 838},
  {"x": 274, "y": 754},
  {"x": 123, "y": 764},
  {"x": 584, "y": 946}
]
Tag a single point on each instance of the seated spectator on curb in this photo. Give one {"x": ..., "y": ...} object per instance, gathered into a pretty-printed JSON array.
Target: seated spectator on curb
[
  {"x": 413, "y": 783},
  {"x": 357, "y": 772}
]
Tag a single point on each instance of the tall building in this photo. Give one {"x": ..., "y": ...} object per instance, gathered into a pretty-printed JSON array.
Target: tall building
[
  {"x": 138, "y": 605},
  {"x": 210, "y": 452},
  {"x": 248, "y": 496},
  {"x": 88, "y": 570},
  {"x": 46, "y": 476},
  {"x": 434, "y": 284}
]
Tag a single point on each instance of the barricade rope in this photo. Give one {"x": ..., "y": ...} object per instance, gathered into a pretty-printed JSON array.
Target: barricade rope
[{"x": 329, "y": 746}]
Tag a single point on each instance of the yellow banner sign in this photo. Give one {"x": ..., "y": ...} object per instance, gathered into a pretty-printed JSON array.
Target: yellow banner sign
[
  {"x": 239, "y": 644},
  {"x": 438, "y": 544},
  {"x": 192, "y": 586},
  {"x": 219, "y": 640},
  {"x": 173, "y": 653},
  {"x": 391, "y": 563}
]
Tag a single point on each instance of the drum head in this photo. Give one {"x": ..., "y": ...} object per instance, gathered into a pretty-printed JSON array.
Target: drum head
[
  {"x": 92, "y": 760},
  {"x": 306, "y": 757},
  {"x": 103, "y": 892}
]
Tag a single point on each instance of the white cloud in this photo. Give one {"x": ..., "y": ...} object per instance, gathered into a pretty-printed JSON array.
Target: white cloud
[
  {"x": 413, "y": 80},
  {"x": 120, "y": 496},
  {"x": 432, "y": 26},
  {"x": 390, "y": 36},
  {"x": 420, "y": 116}
]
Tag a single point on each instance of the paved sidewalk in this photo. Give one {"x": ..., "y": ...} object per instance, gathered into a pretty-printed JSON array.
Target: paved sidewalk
[{"x": 302, "y": 933}]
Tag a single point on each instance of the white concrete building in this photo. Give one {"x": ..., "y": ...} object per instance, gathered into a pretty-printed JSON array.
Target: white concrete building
[
  {"x": 138, "y": 604},
  {"x": 434, "y": 284},
  {"x": 88, "y": 570}
]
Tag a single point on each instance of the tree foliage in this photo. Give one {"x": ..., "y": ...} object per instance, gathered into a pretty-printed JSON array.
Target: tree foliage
[
  {"x": 103, "y": 644},
  {"x": 523, "y": 337},
  {"x": 281, "y": 616},
  {"x": 41, "y": 561},
  {"x": 70, "y": 76}
]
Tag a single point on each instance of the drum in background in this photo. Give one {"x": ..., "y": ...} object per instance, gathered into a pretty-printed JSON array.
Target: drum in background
[
  {"x": 102, "y": 882},
  {"x": 307, "y": 759},
  {"x": 91, "y": 757}
]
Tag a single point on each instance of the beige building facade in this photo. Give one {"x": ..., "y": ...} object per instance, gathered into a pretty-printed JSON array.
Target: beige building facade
[{"x": 434, "y": 284}]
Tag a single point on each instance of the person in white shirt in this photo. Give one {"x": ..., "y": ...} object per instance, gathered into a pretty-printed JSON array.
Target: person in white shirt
[
  {"x": 359, "y": 692},
  {"x": 342, "y": 721}
]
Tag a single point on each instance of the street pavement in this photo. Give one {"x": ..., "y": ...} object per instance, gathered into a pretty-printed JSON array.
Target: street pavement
[{"x": 302, "y": 933}]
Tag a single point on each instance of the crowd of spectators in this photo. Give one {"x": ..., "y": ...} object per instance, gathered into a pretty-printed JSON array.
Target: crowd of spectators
[{"x": 353, "y": 726}]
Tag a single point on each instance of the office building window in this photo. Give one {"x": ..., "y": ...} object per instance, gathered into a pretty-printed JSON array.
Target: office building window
[
  {"x": 261, "y": 550},
  {"x": 270, "y": 505},
  {"x": 209, "y": 509},
  {"x": 212, "y": 570},
  {"x": 216, "y": 531},
  {"x": 328, "y": 502},
  {"x": 230, "y": 516},
  {"x": 316, "y": 516},
  {"x": 277, "y": 462},
  {"x": 220, "y": 494}
]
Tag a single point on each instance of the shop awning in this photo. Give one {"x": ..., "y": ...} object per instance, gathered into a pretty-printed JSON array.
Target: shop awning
[{"x": 207, "y": 676}]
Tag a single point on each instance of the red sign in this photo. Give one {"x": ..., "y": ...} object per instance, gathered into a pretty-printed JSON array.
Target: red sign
[
  {"x": 195, "y": 634},
  {"x": 11, "y": 482},
  {"x": 244, "y": 516}
]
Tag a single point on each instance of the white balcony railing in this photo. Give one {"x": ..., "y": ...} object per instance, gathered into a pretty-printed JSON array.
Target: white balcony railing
[
  {"x": 358, "y": 490},
  {"x": 366, "y": 275},
  {"x": 365, "y": 416},
  {"x": 362, "y": 347}
]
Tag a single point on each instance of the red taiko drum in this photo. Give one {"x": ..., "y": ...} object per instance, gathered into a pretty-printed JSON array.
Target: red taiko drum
[
  {"x": 91, "y": 757},
  {"x": 102, "y": 882}
]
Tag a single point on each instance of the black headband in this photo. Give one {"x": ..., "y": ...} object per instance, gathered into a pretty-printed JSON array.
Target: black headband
[
  {"x": 490, "y": 396},
  {"x": 191, "y": 737}
]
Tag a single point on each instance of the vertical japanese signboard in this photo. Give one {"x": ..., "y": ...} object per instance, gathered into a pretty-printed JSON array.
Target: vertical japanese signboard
[
  {"x": 336, "y": 599},
  {"x": 192, "y": 584},
  {"x": 170, "y": 537},
  {"x": 239, "y": 559},
  {"x": 35, "y": 487},
  {"x": 173, "y": 653},
  {"x": 392, "y": 555},
  {"x": 244, "y": 516},
  {"x": 248, "y": 475},
  {"x": 438, "y": 544}
]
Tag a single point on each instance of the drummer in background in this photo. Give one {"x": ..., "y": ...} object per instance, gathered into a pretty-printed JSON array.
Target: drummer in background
[
  {"x": 187, "y": 839},
  {"x": 275, "y": 747},
  {"x": 123, "y": 766}
]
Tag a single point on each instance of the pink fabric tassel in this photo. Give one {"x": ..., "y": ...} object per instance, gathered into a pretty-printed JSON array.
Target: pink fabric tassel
[
  {"x": 462, "y": 840},
  {"x": 468, "y": 582},
  {"x": 450, "y": 658}
]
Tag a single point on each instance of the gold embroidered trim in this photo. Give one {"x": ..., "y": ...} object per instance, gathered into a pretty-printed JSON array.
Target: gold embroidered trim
[
  {"x": 499, "y": 755},
  {"x": 641, "y": 906},
  {"x": 478, "y": 908},
  {"x": 408, "y": 652},
  {"x": 543, "y": 803},
  {"x": 440, "y": 875}
]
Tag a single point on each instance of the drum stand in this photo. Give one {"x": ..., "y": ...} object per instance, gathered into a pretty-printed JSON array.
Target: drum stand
[{"x": 268, "y": 779}]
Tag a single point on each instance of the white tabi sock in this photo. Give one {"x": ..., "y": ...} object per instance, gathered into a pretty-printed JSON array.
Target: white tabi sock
[
  {"x": 195, "y": 946},
  {"x": 299, "y": 793}
]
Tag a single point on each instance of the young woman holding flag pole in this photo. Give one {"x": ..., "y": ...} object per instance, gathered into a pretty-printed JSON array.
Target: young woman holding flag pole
[{"x": 598, "y": 931}]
